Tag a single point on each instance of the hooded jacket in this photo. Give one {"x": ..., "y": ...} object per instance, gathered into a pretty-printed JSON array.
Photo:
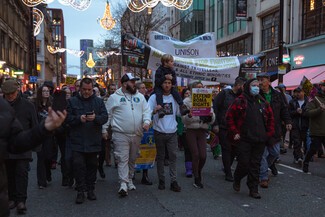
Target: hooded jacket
[
  {"x": 251, "y": 130},
  {"x": 86, "y": 137},
  {"x": 316, "y": 115},
  {"x": 195, "y": 122},
  {"x": 127, "y": 113},
  {"x": 160, "y": 76}
]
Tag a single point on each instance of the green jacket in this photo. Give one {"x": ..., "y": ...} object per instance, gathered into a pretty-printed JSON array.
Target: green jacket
[{"x": 316, "y": 116}]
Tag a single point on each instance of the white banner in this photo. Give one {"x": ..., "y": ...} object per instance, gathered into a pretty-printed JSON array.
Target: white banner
[
  {"x": 203, "y": 46},
  {"x": 223, "y": 70}
]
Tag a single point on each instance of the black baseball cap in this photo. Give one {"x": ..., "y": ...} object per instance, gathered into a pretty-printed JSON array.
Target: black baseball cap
[{"x": 128, "y": 77}]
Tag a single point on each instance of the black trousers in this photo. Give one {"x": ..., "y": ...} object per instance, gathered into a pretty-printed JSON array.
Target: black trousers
[
  {"x": 17, "y": 175},
  {"x": 249, "y": 157},
  {"x": 174, "y": 92},
  {"x": 299, "y": 138},
  {"x": 102, "y": 154},
  {"x": 85, "y": 170},
  {"x": 187, "y": 152},
  {"x": 228, "y": 151},
  {"x": 316, "y": 143}
]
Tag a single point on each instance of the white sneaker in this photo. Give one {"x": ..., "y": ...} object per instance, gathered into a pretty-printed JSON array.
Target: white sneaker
[
  {"x": 123, "y": 191},
  {"x": 131, "y": 186}
]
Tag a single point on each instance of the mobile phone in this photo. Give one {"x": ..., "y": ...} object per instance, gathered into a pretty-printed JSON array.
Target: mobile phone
[
  {"x": 89, "y": 113},
  {"x": 59, "y": 100}
]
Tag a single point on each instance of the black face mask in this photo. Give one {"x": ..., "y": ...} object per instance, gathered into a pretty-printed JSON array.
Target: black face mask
[{"x": 130, "y": 89}]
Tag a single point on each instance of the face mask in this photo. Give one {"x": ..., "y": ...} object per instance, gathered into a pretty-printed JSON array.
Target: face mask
[{"x": 255, "y": 90}]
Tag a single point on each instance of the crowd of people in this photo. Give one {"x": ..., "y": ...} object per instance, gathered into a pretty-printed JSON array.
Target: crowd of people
[{"x": 251, "y": 120}]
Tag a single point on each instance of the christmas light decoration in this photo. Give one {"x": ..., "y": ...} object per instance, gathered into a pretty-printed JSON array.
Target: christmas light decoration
[
  {"x": 90, "y": 62},
  {"x": 107, "y": 22},
  {"x": 32, "y": 3},
  {"x": 80, "y": 5},
  {"x": 38, "y": 18},
  {"x": 140, "y": 5},
  {"x": 104, "y": 54},
  {"x": 54, "y": 50}
]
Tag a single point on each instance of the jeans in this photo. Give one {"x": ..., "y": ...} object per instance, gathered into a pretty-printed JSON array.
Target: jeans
[{"x": 271, "y": 153}]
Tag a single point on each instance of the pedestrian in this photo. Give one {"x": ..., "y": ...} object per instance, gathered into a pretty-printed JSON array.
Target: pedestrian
[
  {"x": 250, "y": 124},
  {"x": 196, "y": 136},
  {"x": 165, "y": 134},
  {"x": 14, "y": 139},
  {"x": 86, "y": 115},
  {"x": 141, "y": 87},
  {"x": 315, "y": 110},
  {"x": 17, "y": 164},
  {"x": 129, "y": 114},
  {"x": 44, "y": 156},
  {"x": 281, "y": 114},
  {"x": 221, "y": 104},
  {"x": 300, "y": 124},
  {"x": 76, "y": 87},
  {"x": 166, "y": 71}
]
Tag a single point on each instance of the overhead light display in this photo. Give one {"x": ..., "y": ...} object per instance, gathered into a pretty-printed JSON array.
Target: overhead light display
[
  {"x": 54, "y": 50},
  {"x": 90, "y": 62},
  {"x": 140, "y": 5},
  {"x": 107, "y": 22},
  {"x": 38, "y": 18}
]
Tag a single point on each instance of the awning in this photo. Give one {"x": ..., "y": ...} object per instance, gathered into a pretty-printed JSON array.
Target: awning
[{"x": 293, "y": 78}]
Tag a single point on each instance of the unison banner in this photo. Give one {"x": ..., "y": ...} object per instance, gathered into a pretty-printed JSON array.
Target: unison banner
[
  {"x": 136, "y": 53},
  {"x": 203, "y": 46}
]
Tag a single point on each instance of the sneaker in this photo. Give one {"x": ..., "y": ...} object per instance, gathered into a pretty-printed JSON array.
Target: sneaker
[
  {"x": 229, "y": 177},
  {"x": 184, "y": 110},
  {"x": 305, "y": 167},
  {"x": 91, "y": 195},
  {"x": 274, "y": 170},
  {"x": 123, "y": 191},
  {"x": 175, "y": 187},
  {"x": 161, "y": 185},
  {"x": 131, "y": 186},
  {"x": 197, "y": 183},
  {"x": 161, "y": 113},
  {"x": 21, "y": 208},
  {"x": 264, "y": 183},
  {"x": 101, "y": 172},
  {"x": 80, "y": 198},
  {"x": 255, "y": 195},
  {"x": 298, "y": 161}
]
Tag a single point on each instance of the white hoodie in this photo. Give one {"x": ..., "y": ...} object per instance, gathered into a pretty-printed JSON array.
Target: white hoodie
[{"x": 127, "y": 113}]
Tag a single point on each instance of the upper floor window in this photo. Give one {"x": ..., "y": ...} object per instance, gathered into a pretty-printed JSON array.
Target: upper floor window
[
  {"x": 270, "y": 31},
  {"x": 313, "y": 18}
]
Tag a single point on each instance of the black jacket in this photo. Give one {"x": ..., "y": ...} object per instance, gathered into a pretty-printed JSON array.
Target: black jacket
[
  {"x": 15, "y": 140},
  {"x": 160, "y": 76},
  {"x": 26, "y": 114},
  {"x": 221, "y": 103},
  {"x": 299, "y": 121},
  {"x": 280, "y": 112},
  {"x": 86, "y": 137}
]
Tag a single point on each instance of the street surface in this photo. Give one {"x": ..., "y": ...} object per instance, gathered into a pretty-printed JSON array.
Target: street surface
[{"x": 291, "y": 193}]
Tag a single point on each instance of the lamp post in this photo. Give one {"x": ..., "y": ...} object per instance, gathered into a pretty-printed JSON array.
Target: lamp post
[{"x": 280, "y": 40}]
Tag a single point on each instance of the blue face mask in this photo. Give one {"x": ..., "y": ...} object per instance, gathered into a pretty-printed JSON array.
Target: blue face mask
[{"x": 255, "y": 90}]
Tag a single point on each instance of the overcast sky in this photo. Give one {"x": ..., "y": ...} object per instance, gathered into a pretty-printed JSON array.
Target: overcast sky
[{"x": 81, "y": 25}]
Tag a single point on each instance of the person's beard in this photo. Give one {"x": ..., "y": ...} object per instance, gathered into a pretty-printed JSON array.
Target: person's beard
[{"x": 130, "y": 89}]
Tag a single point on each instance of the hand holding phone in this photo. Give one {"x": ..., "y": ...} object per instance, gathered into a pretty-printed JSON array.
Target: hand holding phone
[
  {"x": 59, "y": 101},
  {"x": 90, "y": 116}
]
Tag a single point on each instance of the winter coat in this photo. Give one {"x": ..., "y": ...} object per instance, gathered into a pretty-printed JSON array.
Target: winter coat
[
  {"x": 299, "y": 121},
  {"x": 15, "y": 140},
  {"x": 86, "y": 137},
  {"x": 316, "y": 116},
  {"x": 26, "y": 114},
  {"x": 196, "y": 122},
  {"x": 280, "y": 113},
  {"x": 160, "y": 76}
]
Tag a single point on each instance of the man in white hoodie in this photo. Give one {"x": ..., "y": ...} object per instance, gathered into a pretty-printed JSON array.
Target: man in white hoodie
[{"x": 128, "y": 115}]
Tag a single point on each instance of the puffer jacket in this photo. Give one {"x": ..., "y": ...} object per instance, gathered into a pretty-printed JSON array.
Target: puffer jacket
[
  {"x": 195, "y": 122},
  {"x": 15, "y": 140}
]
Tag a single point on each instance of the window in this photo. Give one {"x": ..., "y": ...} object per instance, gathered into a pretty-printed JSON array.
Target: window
[
  {"x": 313, "y": 18},
  {"x": 220, "y": 19},
  {"x": 212, "y": 16},
  {"x": 236, "y": 48},
  {"x": 270, "y": 31}
]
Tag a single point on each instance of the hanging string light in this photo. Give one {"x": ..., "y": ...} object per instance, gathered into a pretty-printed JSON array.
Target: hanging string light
[
  {"x": 38, "y": 18},
  {"x": 32, "y": 3},
  {"x": 104, "y": 54},
  {"x": 107, "y": 22},
  {"x": 140, "y": 5},
  {"x": 90, "y": 62},
  {"x": 54, "y": 50},
  {"x": 80, "y": 5}
]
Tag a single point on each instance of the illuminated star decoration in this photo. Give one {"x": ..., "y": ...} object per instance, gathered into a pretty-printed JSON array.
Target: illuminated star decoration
[
  {"x": 38, "y": 18},
  {"x": 140, "y": 5},
  {"x": 107, "y": 22},
  {"x": 54, "y": 50},
  {"x": 104, "y": 54}
]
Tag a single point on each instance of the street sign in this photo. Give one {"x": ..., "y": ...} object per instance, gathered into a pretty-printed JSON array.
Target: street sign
[{"x": 33, "y": 79}]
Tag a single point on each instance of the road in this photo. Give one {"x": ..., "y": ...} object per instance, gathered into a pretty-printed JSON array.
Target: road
[{"x": 291, "y": 193}]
